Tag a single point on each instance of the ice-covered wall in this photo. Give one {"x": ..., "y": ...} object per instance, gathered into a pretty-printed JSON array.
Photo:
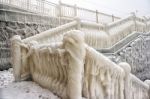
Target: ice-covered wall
[
  {"x": 13, "y": 22},
  {"x": 9, "y": 29},
  {"x": 137, "y": 54}
]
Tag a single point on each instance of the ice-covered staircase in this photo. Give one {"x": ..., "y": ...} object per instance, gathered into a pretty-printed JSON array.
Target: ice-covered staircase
[
  {"x": 70, "y": 62},
  {"x": 133, "y": 49}
]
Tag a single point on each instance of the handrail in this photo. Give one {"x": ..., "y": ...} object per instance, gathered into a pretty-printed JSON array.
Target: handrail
[
  {"x": 90, "y": 10},
  {"x": 125, "y": 41},
  {"x": 137, "y": 80},
  {"x": 116, "y": 23},
  {"x": 110, "y": 25},
  {"x": 27, "y": 17},
  {"x": 82, "y": 24},
  {"x": 121, "y": 44},
  {"x": 50, "y": 32},
  {"x": 98, "y": 66},
  {"x": 99, "y": 26},
  {"x": 129, "y": 18},
  {"x": 53, "y": 9},
  {"x": 112, "y": 30}
]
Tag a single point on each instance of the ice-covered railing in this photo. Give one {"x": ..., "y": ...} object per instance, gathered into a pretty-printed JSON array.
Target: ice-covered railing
[
  {"x": 71, "y": 69},
  {"x": 104, "y": 36},
  {"x": 139, "y": 89},
  {"x": 97, "y": 35},
  {"x": 134, "y": 87},
  {"x": 121, "y": 44},
  {"x": 45, "y": 7},
  {"x": 86, "y": 14},
  {"x": 53, "y": 35}
]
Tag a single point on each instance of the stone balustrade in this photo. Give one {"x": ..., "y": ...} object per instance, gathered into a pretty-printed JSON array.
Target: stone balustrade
[{"x": 72, "y": 64}]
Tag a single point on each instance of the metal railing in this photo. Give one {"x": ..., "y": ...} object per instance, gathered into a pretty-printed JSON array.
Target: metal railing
[{"x": 61, "y": 10}]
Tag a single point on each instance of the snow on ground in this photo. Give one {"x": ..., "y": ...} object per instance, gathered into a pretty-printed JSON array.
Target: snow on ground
[
  {"x": 21, "y": 90},
  {"x": 6, "y": 77}
]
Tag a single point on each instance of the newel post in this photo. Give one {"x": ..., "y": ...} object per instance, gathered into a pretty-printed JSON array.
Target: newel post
[
  {"x": 145, "y": 21},
  {"x": 59, "y": 14},
  {"x": 78, "y": 23},
  {"x": 76, "y": 63},
  {"x": 148, "y": 83},
  {"x": 113, "y": 19},
  {"x": 134, "y": 20},
  {"x": 16, "y": 57},
  {"x": 127, "y": 80},
  {"x": 75, "y": 10},
  {"x": 106, "y": 28},
  {"x": 97, "y": 16},
  {"x": 28, "y": 4}
]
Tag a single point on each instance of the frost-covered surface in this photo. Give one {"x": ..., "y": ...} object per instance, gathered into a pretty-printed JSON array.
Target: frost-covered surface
[
  {"x": 6, "y": 77},
  {"x": 64, "y": 63},
  {"x": 137, "y": 54},
  {"x": 21, "y": 90}
]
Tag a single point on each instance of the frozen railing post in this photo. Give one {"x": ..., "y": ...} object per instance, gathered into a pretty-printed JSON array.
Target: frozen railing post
[
  {"x": 127, "y": 79},
  {"x": 134, "y": 20},
  {"x": 145, "y": 21},
  {"x": 43, "y": 4},
  {"x": 59, "y": 14},
  {"x": 76, "y": 63},
  {"x": 78, "y": 23},
  {"x": 113, "y": 19},
  {"x": 106, "y": 28},
  {"x": 96, "y": 16},
  {"x": 148, "y": 82},
  {"x": 16, "y": 56},
  {"x": 28, "y": 4},
  {"x": 75, "y": 10},
  {"x": 59, "y": 9}
]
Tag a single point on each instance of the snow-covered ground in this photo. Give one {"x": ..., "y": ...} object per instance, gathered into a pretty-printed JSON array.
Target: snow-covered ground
[{"x": 21, "y": 90}]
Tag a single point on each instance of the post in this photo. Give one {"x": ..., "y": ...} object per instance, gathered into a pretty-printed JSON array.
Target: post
[
  {"x": 97, "y": 16},
  {"x": 59, "y": 9},
  {"x": 9, "y": 1},
  {"x": 145, "y": 21},
  {"x": 148, "y": 83},
  {"x": 76, "y": 63},
  {"x": 78, "y": 23},
  {"x": 42, "y": 5},
  {"x": 16, "y": 57},
  {"x": 106, "y": 28},
  {"x": 113, "y": 18},
  {"x": 127, "y": 69},
  {"x": 28, "y": 4},
  {"x": 75, "y": 10},
  {"x": 134, "y": 20}
]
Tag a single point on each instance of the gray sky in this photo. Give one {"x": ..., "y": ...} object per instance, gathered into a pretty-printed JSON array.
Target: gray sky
[{"x": 117, "y": 7}]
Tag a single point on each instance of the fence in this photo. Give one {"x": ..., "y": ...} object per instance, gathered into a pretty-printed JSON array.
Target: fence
[
  {"x": 102, "y": 78},
  {"x": 36, "y": 6},
  {"x": 61, "y": 10},
  {"x": 98, "y": 35},
  {"x": 86, "y": 14}
]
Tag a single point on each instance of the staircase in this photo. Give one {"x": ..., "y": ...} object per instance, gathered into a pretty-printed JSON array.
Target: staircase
[
  {"x": 134, "y": 51},
  {"x": 103, "y": 77},
  {"x": 123, "y": 40},
  {"x": 18, "y": 21}
]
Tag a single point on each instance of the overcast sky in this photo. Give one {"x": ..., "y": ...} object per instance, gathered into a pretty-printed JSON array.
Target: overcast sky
[{"x": 117, "y": 7}]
